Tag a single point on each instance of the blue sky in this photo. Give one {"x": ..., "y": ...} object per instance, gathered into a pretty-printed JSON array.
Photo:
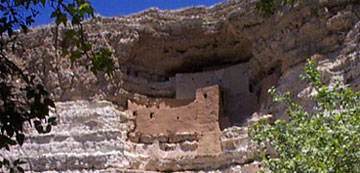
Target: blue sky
[{"x": 125, "y": 7}]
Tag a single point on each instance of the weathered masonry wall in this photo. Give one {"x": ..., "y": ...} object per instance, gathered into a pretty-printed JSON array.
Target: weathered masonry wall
[
  {"x": 196, "y": 122},
  {"x": 154, "y": 53},
  {"x": 239, "y": 97},
  {"x": 93, "y": 137}
]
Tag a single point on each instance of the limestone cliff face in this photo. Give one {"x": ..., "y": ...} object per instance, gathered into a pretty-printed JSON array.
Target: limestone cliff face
[{"x": 166, "y": 58}]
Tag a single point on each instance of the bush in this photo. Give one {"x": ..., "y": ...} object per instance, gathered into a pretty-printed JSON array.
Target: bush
[
  {"x": 23, "y": 100},
  {"x": 323, "y": 140}
]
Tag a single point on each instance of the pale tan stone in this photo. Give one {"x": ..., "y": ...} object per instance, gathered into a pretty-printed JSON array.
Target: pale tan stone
[{"x": 156, "y": 55}]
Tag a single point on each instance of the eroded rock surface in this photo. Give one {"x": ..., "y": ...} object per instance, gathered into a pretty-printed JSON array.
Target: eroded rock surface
[
  {"x": 94, "y": 136},
  {"x": 165, "y": 56}
]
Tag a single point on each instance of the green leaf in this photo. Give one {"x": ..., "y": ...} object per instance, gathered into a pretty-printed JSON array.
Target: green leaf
[
  {"x": 64, "y": 53},
  {"x": 20, "y": 138},
  {"x": 6, "y": 162},
  {"x": 10, "y": 32},
  {"x": 48, "y": 128},
  {"x": 38, "y": 126},
  {"x": 326, "y": 141},
  {"x": 43, "y": 2},
  {"x": 70, "y": 33},
  {"x": 11, "y": 142},
  {"x": 61, "y": 18},
  {"x": 54, "y": 14},
  {"x": 52, "y": 121},
  {"x": 20, "y": 169},
  {"x": 75, "y": 55},
  {"x": 85, "y": 5},
  {"x": 49, "y": 102},
  {"x": 18, "y": 162}
]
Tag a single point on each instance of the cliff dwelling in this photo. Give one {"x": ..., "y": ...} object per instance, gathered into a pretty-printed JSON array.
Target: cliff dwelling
[
  {"x": 238, "y": 98},
  {"x": 205, "y": 103},
  {"x": 195, "y": 122},
  {"x": 230, "y": 70},
  {"x": 197, "y": 101},
  {"x": 187, "y": 85}
]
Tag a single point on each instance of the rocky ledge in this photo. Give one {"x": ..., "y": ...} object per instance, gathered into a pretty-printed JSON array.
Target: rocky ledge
[{"x": 165, "y": 60}]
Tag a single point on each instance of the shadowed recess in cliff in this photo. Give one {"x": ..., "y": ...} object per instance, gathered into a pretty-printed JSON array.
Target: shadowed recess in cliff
[{"x": 189, "y": 53}]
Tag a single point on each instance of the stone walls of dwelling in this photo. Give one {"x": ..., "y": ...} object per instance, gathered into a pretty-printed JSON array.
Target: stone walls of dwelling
[
  {"x": 152, "y": 47},
  {"x": 195, "y": 125},
  {"x": 94, "y": 137},
  {"x": 239, "y": 97},
  {"x": 153, "y": 52}
]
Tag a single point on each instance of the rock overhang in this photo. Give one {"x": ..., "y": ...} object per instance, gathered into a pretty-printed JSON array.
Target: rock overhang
[{"x": 273, "y": 51}]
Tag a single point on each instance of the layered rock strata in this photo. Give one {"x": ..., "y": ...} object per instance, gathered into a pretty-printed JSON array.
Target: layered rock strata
[
  {"x": 167, "y": 55},
  {"x": 94, "y": 136}
]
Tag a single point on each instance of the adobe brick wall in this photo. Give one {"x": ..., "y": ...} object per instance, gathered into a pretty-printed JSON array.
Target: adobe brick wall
[
  {"x": 240, "y": 98},
  {"x": 197, "y": 122}
]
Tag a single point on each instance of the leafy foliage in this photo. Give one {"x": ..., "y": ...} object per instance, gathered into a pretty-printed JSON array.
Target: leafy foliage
[
  {"x": 324, "y": 140},
  {"x": 23, "y": 101}
]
